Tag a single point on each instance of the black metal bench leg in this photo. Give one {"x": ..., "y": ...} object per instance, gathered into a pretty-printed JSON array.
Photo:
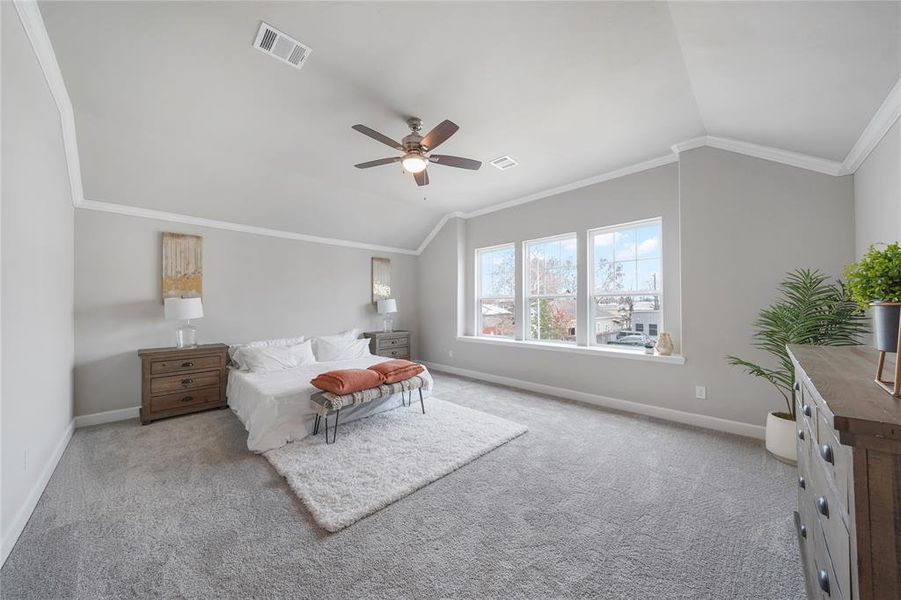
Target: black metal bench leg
[
  {"x": 316, "y": 425},
  {"x": 421, "y": 403},
  {"x": 334, "y": 429}
]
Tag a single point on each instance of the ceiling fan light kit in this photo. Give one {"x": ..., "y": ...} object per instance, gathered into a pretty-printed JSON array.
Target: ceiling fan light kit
[{"x": 416, "y": 149}]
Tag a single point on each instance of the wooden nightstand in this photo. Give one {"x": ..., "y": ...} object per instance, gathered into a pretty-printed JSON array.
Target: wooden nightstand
[
  {"x": 180, "y": 381},
  {"x": 395, "y": 344}
]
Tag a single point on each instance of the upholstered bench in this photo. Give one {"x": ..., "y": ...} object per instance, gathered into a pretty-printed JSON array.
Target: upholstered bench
[{"x": 325, "y": 403}]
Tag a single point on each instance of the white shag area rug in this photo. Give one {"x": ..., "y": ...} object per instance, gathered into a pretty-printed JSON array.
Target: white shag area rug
[{"x": 381, "y": 459}]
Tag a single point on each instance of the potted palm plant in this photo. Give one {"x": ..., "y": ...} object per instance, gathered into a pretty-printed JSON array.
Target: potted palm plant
[{"x": 811, "y": 309}]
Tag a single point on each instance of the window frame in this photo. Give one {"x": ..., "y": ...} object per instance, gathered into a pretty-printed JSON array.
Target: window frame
[
  {"x": 526, "y": 286},
  {"x": 477, "y": 308},
  {"x": 592, "y": 305}
]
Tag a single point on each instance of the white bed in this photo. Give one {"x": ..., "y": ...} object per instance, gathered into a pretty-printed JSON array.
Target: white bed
[{"x": 275, "y": 405}]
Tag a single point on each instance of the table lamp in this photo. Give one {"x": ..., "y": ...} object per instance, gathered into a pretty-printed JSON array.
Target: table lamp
[
  {"x": 184, "y": 309},
  {"x": 387, "y": 307}
]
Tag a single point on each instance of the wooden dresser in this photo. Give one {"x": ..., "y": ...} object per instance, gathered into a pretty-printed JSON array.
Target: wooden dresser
[
  {"x": 395, "y": 344},
  {"x": 181, "y": 381},
  {"x": 849, "y": 475}
]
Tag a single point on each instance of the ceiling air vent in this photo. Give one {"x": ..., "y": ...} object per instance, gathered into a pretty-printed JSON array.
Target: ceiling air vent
[
  {"x": 503, "y": 163},
  {"x": 278, "y": 45}
]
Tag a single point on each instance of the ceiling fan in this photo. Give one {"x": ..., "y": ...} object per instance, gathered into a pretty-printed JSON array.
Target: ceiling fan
[{"x": 416, "y": 149}]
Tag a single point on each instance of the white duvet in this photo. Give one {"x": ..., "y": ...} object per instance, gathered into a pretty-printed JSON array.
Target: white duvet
[{"x": 275, "y": 406}]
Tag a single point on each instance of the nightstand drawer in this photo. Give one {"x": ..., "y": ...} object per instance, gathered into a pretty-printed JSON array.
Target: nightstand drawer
[
  {"x": 183, "y": 399},
  {"x": 159, "y": 367},
  {"x": 393, "y": 342},
  {"x": 174, "y": 383},
  {"x": 403, "y": 352}
]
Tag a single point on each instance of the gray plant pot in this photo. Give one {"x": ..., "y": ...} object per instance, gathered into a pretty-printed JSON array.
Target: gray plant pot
[{"x": 885, "y": 325}]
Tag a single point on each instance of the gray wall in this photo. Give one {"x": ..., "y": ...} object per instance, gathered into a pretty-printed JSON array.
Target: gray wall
[
  {"x": 877, "y": 193},
  {"x": 254, "y": 287},
  {"x": 744, "y": 223},
  {"x": 37, "y": 328}
]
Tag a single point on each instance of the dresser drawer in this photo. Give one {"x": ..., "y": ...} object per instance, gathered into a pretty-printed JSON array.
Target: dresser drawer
[
  {"x": 834, "y": 458},
  {"x": 403, "y": 352},
  {"x": 831, "y": 528},
  {"x": 824, "y": 578},
  {"x": 159, "y": 367},
  {"x": 174, "y": 383},
  {"x": 392, "y": 342},
  {"x": 183, "y": 399},
  {"x": 807, "y": 407}
]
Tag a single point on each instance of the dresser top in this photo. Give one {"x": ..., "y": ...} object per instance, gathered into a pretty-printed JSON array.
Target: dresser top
[
  {"x": 174, "y": 350},
  {"x": 394, "y": 332},
  {"x": 844, "y": 378}
]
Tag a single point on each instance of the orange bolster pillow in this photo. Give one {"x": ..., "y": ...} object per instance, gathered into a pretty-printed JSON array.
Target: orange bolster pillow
[
  {"x": 397, "y": 370},
  {"x": 348, "y": 381}
]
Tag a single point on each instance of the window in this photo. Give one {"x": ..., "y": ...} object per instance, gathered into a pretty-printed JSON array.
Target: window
[
  {"x": 550, "y": 288},
  {"x": 495, "y": 276},
  {"x": 625, "y": 284}
]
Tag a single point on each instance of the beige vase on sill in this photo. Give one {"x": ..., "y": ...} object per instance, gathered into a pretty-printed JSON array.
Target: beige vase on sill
[{"x": 664, "y": 344}]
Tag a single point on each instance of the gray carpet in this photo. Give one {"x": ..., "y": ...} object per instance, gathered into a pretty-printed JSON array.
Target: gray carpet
[{"x": 588, "y": 504}]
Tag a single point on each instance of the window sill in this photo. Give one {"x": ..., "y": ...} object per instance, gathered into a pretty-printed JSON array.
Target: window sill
[{"x": 626, "y": 353}]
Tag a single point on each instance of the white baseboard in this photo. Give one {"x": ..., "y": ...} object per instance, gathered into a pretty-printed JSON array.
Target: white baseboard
[
  {"x": 658, "y": 412},
  {"x": 24, "y": 513},
  {"x": 108, "y": 416}
]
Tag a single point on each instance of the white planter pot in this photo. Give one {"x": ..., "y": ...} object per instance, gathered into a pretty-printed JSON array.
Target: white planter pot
[{"x": 781, "y": 438}]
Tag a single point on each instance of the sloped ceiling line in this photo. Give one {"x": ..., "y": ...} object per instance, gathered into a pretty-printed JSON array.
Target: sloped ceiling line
[{"x": 30, "y": 15}]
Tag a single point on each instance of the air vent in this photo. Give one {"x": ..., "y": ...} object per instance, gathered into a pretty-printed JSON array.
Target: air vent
[
  {"x": 503, "y": 163},
  {"x": 278, "y": 45}
]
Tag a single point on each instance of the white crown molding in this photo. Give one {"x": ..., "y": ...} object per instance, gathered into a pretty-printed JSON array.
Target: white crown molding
[
  {"x": 33, "y": 23},
  {"x": 159, "y": 215},
  {"x": 438, "y": 227},
  {"x": 628, "y": 170},
  {"x": 657, "y": 412},
  {"x": 875, "y": 130},
  {"x": 785, "y": 157}
]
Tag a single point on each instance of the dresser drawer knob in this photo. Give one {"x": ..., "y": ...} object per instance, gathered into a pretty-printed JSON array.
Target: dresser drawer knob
[
  {"x": 187, "y": 398},
  {"x": 187, "y": 381},
  {"x": 823, "y": 506},
  {"x": 826, "y": 453},
  {"x": 797, "y": 387},
  {"x": 806, "y": 410},
  {"x": 187, "y": 364},
  {"x": 823, "y": 580},
  {"x": 801, "y": 483},
  {"x": 804, "y": 531},
  {"x": 800, "y": 434}
]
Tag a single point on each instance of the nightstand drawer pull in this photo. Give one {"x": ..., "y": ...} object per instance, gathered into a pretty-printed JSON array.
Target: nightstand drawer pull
[
  {"x": 823, "y": 580},
  {"x": 826, "y": 453},
  {"x": 187, "y": 398},
  {"x": 190, "y": 364},
  {"x": 823, "y": 506},
  {"x": 188, "y": 381}
]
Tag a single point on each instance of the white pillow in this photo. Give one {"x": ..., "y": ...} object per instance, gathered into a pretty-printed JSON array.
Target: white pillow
[
  {"x": 344, "y": 336},
  {"x": 233, "y": 350},
  {"x": 275, "y": 358},
  {"x": 330, "y": 349}
]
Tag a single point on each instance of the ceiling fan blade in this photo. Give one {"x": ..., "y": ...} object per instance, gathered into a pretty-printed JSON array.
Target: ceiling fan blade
[
  {"x": 422, "y": 178},
  {"x": 442, "y": 131},
  {"x": 378, "y": 136},
  {"x": 455, "y": 161},
  {"x": 378, "y": 163}
]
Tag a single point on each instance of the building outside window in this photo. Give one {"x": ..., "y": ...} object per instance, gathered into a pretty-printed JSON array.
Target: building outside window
[
  {"x": 550, "y": 288},
  {"x": 495, "y": 277},
  {"x": 626, "y": 288}
]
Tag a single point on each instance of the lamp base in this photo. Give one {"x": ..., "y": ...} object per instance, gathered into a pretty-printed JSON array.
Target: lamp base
[
  {"x": 186, "y": 336},
  {"x": 389, "y": 325}
]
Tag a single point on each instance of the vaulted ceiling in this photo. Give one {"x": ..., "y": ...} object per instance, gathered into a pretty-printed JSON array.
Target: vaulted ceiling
[{"x": 176, "y": 111}]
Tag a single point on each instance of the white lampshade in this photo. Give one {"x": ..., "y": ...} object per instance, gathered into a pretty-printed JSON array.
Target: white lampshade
[
  {"x": 387, "y": 306},
  {"x": 183, "y": 309}
]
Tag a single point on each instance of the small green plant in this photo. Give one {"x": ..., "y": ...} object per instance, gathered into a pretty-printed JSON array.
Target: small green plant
[
  {"x": 877, "y": 276},
  {"x": 811, "y": 310}
]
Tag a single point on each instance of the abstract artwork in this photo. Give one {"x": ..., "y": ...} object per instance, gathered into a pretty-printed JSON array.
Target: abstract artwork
[
  {"x": 381, "y": 279},
  {"x": 182, "y": 265}
]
